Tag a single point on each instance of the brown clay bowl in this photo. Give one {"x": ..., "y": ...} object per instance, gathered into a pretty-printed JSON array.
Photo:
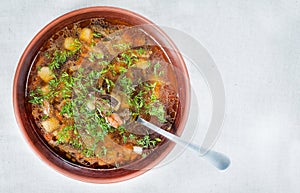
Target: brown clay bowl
[{"x": 29, "y": 129}]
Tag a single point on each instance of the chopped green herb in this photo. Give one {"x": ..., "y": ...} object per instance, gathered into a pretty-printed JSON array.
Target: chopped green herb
[
  {"x": 124, "y": 138},
  {"x": 161, "y": 73},
  {"x": 75, "y": 142},
  {"x": 47, "y": 55},
  {"x": 97, "y": 35},
  {"x": 146, "y": 142},
  {"x": 121, "y": 130},
  {"x": 158, "y": 111},
  {"x": 93, "y": 43},
  {"x": 123, "y": 70},
  {"x": 131, "y": 136},
  {"x": 158, "y": 139},
  {"x": 91, "y": 57},
  {"x": 94, "y": 74},
  {"x": 94, "y": 56},
  {"x": 122, "y": 46},
  {"x": 53, "y": 83},
  {"x": 88, "y": 152},
  {"x": 111, "y": 68},
  {"x": 44, "y": 117},
  {"x": 144, "y": 155},
  {"x": 63, "y": 136},
  {"x": 36, "y": 96},
  {"x": 156, "y": 67},
  {"x": 61, "y": 56},
  {"x": 129, "y": 58},
  {"x": 103, "y": 152},
  {"x": 99, "y": 55},
  {"x": 109, "y": 84},
  {"x": 77, "y": 45},
  {"x": 137, "y": 102},
  {"x": 126, "y": 84},
  {"x": 104, "y": 63},
  {"x": 141, "y": 51},
  {"x": 67, "y": 109}
]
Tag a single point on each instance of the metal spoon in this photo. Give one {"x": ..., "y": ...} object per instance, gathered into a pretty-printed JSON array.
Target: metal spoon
[{"x": 219, "y": 160}]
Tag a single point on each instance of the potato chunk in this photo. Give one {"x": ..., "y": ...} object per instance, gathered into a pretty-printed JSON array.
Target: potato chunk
[
  {"x": 50, "y": 124},
  {"x": 69, "y": 44},
  {"x": 45, "y": 74},
  {"x": 86, "y": 35},
  {"x": 142, "y": 64},
  {"x": 45, "y": 89}
]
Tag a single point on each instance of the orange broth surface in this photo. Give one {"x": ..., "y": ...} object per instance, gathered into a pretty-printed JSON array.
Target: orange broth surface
[{"x": 88, "y": 83}]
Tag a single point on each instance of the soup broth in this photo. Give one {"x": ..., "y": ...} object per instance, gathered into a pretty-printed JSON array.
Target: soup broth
[{"x": 87, "y": 85}]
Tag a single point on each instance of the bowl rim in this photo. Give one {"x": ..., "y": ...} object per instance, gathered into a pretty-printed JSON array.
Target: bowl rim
[{"x": 31, "y": 45}]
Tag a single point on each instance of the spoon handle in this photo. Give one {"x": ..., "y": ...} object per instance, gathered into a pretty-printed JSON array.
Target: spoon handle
[{"x": 219, "y": 160}]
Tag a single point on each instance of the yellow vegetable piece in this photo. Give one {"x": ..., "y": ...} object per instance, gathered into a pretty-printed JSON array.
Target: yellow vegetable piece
[
  {"x": 45, "y": 89},
  {"x": 142, "y": 64},
  {"x": 86, "y": 35},
  {"x": 50, "y": 124},
  {"x": 45, "y": 74},
  {"x": 69, "y": 44}
]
